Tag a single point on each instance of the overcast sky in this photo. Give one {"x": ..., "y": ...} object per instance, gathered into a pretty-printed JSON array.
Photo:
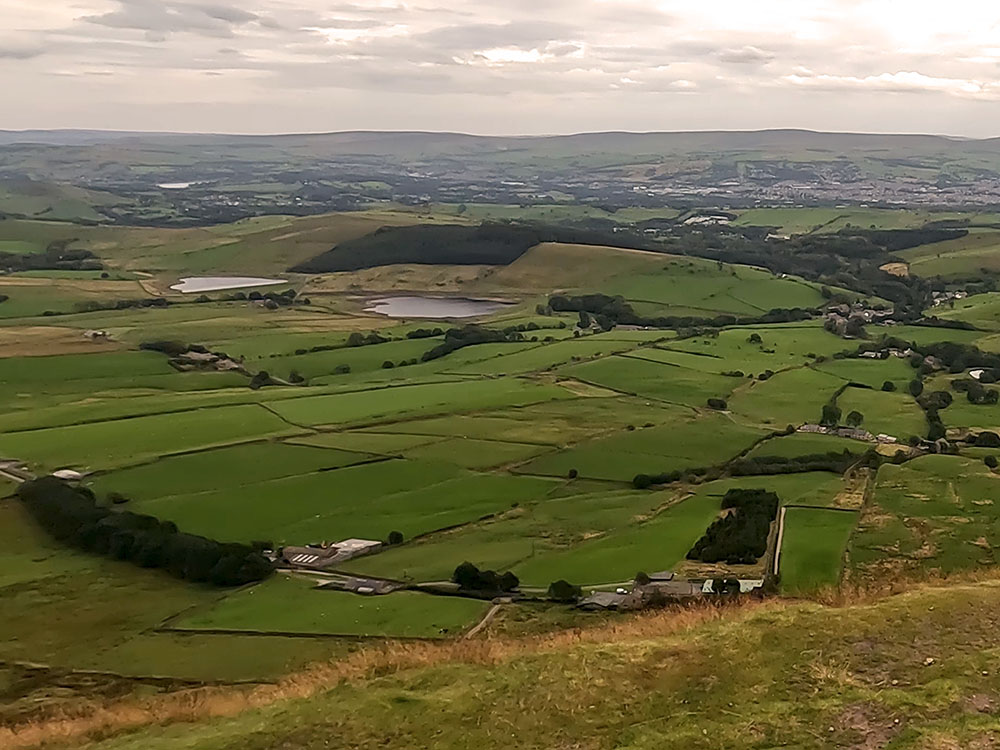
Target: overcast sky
[{"x": 501, "y": 66}]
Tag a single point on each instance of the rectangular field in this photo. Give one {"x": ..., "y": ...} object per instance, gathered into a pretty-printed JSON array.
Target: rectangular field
[
  {"x": 106, "y": 445},
  {"x": 290, "y": 605},
  {"x": 812, "y": 550}
]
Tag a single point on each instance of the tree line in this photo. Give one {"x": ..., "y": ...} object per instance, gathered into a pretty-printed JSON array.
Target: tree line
[
  {"x": 609, "y": 311},
  {"x": 73, "y": 516}
]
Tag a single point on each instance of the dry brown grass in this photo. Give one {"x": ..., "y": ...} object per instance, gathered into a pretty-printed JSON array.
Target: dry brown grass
[
  {"x": 38, "y": 341},
  {"x": 385, "y": 659},
  {"x": 391, "y": 657}
]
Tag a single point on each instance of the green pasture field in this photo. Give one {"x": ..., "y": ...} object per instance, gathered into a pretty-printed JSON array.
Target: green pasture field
[
  {"x": 107, "y": 275},
  {"x": 824, "y": 220},
  {"x": 702, "y": 285},
  {"x": 586, "y": 539},
  {"x": 630, "y": 375},
  {"x": 111, "y": 603},
  {"x": 547, "y": 356},
  {"x": 530, "y": 529},
  {"x": 555, "y": 423},
  {"x": 816, "y": 488},
  {"x": 60, "y": 296},
  {"x": 805, "y": 444},
  {"x": 657, "y": 544},
  {"x": 475, "y": 454},
  {"x": 384, "y": 444},
  {"x": 361, "y": 359},
  {"x": 688, "y": 443},
  {"x": 367, "y": 501},
  {"x": 894, "y": 414},
  {"x": 870, "y": 372},
  {"x": 106, "y": 445},
  {"x": 450, "y": 366},
  {"x": 922, "y": 335},
  {"x": 960, "y": 257},
  {"x": 212, "y": 658},
  {"x": 639, "y": 276},
  {"x": 782, "y": 346},
  {"x": 116, "y": 368},
  {"x": 20, "y": 247},
  {"x": 223, "y": 468},
  {"x": 56, "y": 397},
  {"x": 288, "y": 605},
  {"x": 981, "y": 310},
  {"x": 413, "y": 400},
  {"x": 794, "y": 397},
  {"x": 934, "y": 514},
  {"x": 977, "y": 416},
  {"x": 812, "y": 548}
]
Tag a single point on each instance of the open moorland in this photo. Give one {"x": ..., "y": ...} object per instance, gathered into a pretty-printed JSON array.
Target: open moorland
[{"x": 757, "y": 404}]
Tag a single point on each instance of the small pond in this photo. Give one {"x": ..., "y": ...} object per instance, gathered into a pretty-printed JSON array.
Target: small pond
[
  {"x": 434, "y": 307},
  {"x": 192, "y": 284}
]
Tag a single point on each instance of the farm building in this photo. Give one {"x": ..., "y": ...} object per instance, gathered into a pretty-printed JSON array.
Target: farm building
[{"x": 324, "y": 555}]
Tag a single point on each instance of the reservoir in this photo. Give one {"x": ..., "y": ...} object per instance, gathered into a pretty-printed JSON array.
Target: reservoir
[
  {"x": 434, "y": 307},
  {"x": 192, "y": 284}
]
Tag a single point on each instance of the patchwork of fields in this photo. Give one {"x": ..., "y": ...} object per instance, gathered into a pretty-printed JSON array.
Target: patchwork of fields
[{"x": 514, "y": 455}]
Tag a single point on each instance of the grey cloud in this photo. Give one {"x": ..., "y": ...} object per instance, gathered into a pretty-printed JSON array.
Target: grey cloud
[
  {"x": 746, "y": 55},
  {"x": 161, "y": 17},
  {"x": 514, "y": 34},
  {"x": 19, "y": 52}
]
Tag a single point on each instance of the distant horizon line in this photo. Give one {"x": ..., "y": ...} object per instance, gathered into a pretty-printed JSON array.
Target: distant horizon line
[{"x": 373, "y": 131}]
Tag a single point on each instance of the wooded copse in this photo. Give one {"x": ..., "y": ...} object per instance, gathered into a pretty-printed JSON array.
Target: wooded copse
[{"x": 72, "y": 516}]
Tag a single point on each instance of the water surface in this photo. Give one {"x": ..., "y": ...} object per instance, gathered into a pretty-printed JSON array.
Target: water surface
[
  {"x": 433, "y": 307},
  {"x": 191, "y": 284}
]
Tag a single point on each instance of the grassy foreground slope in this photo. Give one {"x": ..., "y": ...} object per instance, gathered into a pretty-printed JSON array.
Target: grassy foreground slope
[{"x": 912, "y": 671}]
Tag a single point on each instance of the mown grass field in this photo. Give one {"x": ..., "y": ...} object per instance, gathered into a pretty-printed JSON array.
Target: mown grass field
[
  {"x": 704, "y": 441},
  {"x": 812, "y": 550},
  {"x": 288, "y": 605}
]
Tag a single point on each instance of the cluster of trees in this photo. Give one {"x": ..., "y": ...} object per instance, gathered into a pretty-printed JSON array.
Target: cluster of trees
[
  {"x": 72, "y": 515},
  {"x": 609, "y": 311},
  {"x": 56, "y": 257},
  {"x": 424, "y": 333},
  {"x": 170, "y": 348},
  {"x": 470, "y": 335},
  {"x": 354, "y": 340},
  {"x": 92, "y": 305},
  {"x": 975, "y": 391},
  {"x": 565, "y": 592},
  {"x": 832, "y": 461},
  {"x": 739, "y": 537},
  {"x": 470, "y": 578}
]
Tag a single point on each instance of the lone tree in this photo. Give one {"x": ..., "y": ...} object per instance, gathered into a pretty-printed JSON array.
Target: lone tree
[
  {"x": 987, "y": 439},
  {"x": 915, "y": 388},
  {"x": 831, "y": 415},
  {"x": 888, "y": 386},
  {"x": 717, "y": 403},
  {"x": 755, "y": 338},
  {"x": 564, "y": 592},
  {"x": 855, "y": 418},
  {"x": 991, "y": 461},
  {"x": 395, "y": 537}
]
